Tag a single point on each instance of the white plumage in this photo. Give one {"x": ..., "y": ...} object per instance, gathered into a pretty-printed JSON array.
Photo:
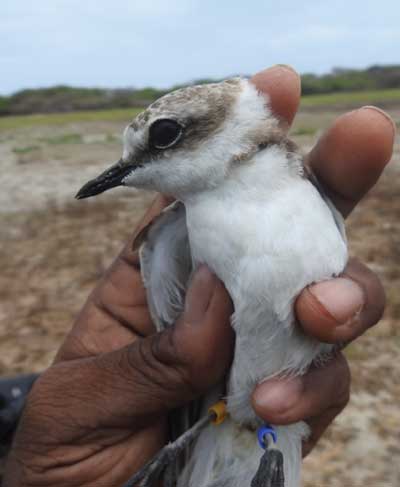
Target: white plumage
[{"x": 248, "y": 210}]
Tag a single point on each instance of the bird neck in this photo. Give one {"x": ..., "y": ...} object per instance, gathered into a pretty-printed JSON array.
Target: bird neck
[{"x": 257, "y": 177}]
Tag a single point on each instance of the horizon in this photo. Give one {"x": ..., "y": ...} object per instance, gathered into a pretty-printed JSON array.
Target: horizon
[
  {"x": 184, "y": 83},
  {"x": 137, "y": 44}
]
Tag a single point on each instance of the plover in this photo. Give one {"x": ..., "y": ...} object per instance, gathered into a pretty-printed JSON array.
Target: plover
[{"x": 248, "y": 207}]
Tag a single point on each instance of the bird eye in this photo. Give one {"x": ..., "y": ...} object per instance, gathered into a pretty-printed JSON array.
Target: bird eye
[{"x": 164, "y": 133}]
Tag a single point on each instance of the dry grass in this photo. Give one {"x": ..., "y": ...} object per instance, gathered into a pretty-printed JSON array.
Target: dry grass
[{"x": 51, "y": 259}]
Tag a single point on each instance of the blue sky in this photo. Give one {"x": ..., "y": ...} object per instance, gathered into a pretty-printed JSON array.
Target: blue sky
[{"x": 119, "y": 43}]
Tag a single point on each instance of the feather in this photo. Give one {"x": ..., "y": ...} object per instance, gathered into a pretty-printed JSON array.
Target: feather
[
  {"x": 166, "y": 264},
  {"x": 335, "y": 213}
]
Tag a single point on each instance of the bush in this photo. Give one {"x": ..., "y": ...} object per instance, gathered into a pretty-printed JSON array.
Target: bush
[
  {"x": 66, "y": 99},
  {"x": 340, "y": 80}
]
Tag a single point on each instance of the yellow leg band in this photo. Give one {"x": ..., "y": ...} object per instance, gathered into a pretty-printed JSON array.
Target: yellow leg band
[{"x": 218, "y": 412}]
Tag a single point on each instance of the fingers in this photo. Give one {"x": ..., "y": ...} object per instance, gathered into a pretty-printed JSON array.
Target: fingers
[
  {"x": 317, "y": 398},
  {"x": 351, "y": 155},
  {"x": 202, "y": 341},
  {"x": 165, "y": 370},
  {"x": 339, "y": 310},
  {"x": 283, "y": 86}
]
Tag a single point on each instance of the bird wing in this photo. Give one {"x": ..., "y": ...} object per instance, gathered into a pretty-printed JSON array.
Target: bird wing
[
  {"x": 166, "y": 264},
  {"x": 338, "y": 218}
]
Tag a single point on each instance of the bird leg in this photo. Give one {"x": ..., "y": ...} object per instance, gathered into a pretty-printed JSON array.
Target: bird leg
[{"x": 165, "y": 459}]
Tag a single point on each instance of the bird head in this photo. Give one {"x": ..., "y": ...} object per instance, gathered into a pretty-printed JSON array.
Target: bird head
[{"x": 188, "y": 140}]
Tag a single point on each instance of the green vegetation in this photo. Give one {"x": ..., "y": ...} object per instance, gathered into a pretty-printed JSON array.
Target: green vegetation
[
  {"x": 59, "y": 99},
  {"x": 117, "y": 115},
  {"x": 63, "y": 139},
  {"x": 304, "y": 131},
  {"x": 68, "y": 99},
  {"x": 352, "y": 98},
  {"x": 4, "y": 105},
  {"x": 123, "y": 115},
  {"x": 374, "y": 86},
  {"x": 345, "y": 80},
  {"x": 25, "y": 150}
]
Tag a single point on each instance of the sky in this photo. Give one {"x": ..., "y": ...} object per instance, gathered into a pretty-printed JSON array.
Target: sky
[{"x": 138, "y": 43}]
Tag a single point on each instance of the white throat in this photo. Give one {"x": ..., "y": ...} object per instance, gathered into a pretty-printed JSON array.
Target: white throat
[{"x": 269, "y": 171}]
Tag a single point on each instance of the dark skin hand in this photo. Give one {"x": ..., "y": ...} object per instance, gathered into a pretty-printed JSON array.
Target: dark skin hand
[{"x": 99, "y": 412}]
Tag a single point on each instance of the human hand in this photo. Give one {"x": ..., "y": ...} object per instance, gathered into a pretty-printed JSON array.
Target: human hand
[{"x": 98, "y": 414}]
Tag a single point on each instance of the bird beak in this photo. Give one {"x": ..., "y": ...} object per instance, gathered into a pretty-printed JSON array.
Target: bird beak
[{"x": 110, "y": 178}]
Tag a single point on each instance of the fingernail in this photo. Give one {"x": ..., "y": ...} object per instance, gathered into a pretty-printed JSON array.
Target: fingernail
[
  {"x": 343, "y": 298},
  {"x": 277, "y": 395},
  {"x": 198, "y": 297},
  {"x": 381, "y": 112}
]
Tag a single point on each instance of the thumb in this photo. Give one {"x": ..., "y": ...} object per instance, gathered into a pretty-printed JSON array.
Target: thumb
[
  {"x": 159, "y": 372},
  {"x": 199, "y": 348}
]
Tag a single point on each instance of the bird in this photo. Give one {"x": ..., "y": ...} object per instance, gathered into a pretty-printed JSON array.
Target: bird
[{"x": 248, "y": 206}]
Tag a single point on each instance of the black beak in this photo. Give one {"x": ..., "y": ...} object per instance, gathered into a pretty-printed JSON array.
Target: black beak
[{"x": 110, "y": 178}]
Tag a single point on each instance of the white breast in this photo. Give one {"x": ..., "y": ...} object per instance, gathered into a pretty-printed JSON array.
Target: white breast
[
  {"x": 267, "y": 234},
  {"x": 267, "y": 225}
]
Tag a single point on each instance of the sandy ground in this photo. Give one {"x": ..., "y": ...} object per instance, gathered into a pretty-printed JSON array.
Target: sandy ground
[{"x": 53, "y": 250}]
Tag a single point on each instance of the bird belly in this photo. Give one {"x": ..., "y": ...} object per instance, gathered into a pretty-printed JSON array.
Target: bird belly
[{"x": 266, "y": 252}]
